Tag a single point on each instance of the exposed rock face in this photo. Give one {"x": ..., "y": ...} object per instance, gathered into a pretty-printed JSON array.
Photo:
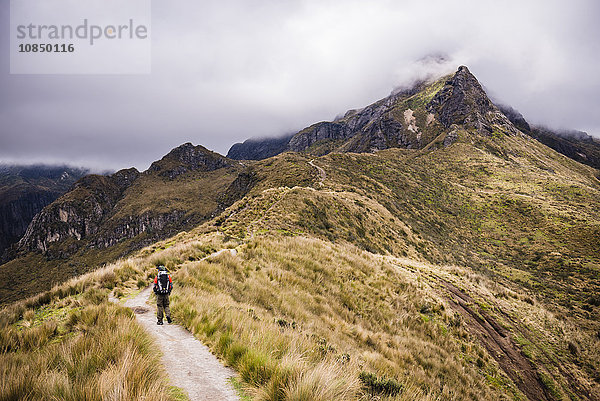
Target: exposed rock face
[
  {"x": 258, "y": 149},
  {"x": 392, "y": 122},
  {"x": 576, "y": 145},
  {"x": 78, "y": 214},
  {"x": 450, "y": 138},
  {"x": 463, "y": 101},
  {"x": 409, "y": 119},
  {"x": 164, "y": 224},
  {"x": 124, "y": 178},
  {"x": 101, "y": 211},
  {"x": 381, "y": 134},
  {"x": 319, "y": 132},
  {"x": 15, "y": 215},
  {"x": 237, "y": 189},
  {"x": 515, "y": 117},
  {"x": 380, "y": 129},
  {"x": 24, "y": 191},
  {"x": 582, "y": 148}
]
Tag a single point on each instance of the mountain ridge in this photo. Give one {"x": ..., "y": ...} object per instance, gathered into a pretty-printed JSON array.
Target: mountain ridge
[
  {"x": 411, "y": 118},
  {"x": 462, "y": 267},
  {"x": 106, "y": 217},
  {"x": 577, "y": 145}
]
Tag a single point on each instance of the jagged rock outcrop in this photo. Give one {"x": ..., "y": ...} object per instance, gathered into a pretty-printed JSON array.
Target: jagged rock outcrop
[
  {"x": 243, "y": 183},
  {"x": 25, "y": 191},
  {"x": 515, "y": 117},
  {"x": 258, "y": 149},
  {"x": 462, "y": 101},
  {"x": 78, "y": 214},
  {"x": 124, "y": 178},
  {"x": 15, "y": 215},
  {"x": 102, "y": 211},
  {"x": 376, "y": 122},
  {"x": 155, "y": 225},
  {"x": 188, "y": 157},
  {"x": 410, "y": 118}
]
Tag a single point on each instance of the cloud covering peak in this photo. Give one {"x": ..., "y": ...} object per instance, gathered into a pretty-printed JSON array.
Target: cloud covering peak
[{"x": 226, "y": 71}]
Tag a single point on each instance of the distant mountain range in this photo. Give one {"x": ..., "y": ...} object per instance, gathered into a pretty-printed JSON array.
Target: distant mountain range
[
  {"x": 427, "y": 228},
  {"x": 106, "y": 216},
  {"x": 25, "y": 191}
]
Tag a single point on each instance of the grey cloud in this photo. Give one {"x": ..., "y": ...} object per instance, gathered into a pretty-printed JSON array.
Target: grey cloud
[{"x": 226, "y": 71}]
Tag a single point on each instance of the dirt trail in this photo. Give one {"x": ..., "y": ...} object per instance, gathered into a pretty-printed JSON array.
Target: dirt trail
[
  {"x": 500, "y": 345},
  {"x": 322, "y": 173},
  {"x": 189, "y": 363}
]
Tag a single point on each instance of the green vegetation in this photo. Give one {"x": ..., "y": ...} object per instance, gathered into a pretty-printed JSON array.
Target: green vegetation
[
  {"x": 237, "y": 305},
  {"x": 467, "y": 271},
  {"x": 174, "y": 205}
]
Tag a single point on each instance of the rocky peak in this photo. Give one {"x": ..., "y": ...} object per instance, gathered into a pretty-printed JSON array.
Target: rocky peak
[
  {"x": 124, "y": 178},
  {"x": 409, "y": 118},
  {"x": 463, "y": 101},
  {"x": 188, "y": 157},
  {"x": 85, "y": 212}
]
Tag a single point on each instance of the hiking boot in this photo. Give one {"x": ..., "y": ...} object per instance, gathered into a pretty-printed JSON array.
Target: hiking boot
[
  {"x": 159, "y": 322},
  {"x": 169, "y": 319}
]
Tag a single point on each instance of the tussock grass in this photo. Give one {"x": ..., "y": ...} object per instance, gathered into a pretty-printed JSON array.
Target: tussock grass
[
  {"x": 564, "y": 348},
  {"x": 299, "y": 318},
  {"x": 307, "y": 311},
  {"x": 97, "y": 352},
  {"x": 71, "y": 343}
]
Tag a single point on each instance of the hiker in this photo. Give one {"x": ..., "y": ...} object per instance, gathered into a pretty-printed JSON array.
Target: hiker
[{"x": 162, "y": 288}]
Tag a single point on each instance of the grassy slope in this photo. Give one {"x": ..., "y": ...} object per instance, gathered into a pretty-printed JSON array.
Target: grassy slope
[
  {"x": 70, "y": 343},
  {"x": 512, "y": 210},
  {"x": 194, "y": 194},
  {"x": 340, "y": 288}
]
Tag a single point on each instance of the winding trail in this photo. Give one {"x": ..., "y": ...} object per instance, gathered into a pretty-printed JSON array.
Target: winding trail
[
  {"x": 189, "y": 363},
  {"x": 322, "y": 173}
]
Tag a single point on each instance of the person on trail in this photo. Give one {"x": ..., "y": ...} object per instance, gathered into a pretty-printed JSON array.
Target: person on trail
[{"x": 162, "y": 288}]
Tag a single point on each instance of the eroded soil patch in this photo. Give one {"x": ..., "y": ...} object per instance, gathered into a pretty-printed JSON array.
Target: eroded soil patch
[{"x": 499, "y": 345}]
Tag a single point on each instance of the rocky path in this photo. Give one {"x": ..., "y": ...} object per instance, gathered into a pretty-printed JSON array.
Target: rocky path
[{"x": 190, "y": 364}]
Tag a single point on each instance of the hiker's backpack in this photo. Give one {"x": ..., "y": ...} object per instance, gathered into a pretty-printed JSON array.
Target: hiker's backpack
[{"x": 163, "y": 284}]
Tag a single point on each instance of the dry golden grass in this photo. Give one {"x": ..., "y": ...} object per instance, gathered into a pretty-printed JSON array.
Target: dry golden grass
[
  {"x": 290, "y": 314},
  {"x": 563, "y": 346},
  {"x": 304, "y": 311},
  {"x": 70, "y": 343}
]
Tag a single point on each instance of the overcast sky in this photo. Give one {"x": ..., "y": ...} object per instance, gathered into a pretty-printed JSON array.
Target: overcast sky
[{"x": 224, "y": 71}]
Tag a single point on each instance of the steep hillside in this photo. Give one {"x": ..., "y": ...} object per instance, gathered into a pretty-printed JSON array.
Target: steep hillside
[
  {"x": 499, "y": 232},
  {"x": 462, "y": 268},
  {"x": 577, "y": 145},
  {"x": 105, "y": 217},
  {"x": 411, "y": 119},
  {"x": 381, "y": 276},
  {"x": 24, "y": 191}
]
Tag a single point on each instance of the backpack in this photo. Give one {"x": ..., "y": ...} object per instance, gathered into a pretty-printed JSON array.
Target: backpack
[{"x": 163, "y": 284}]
